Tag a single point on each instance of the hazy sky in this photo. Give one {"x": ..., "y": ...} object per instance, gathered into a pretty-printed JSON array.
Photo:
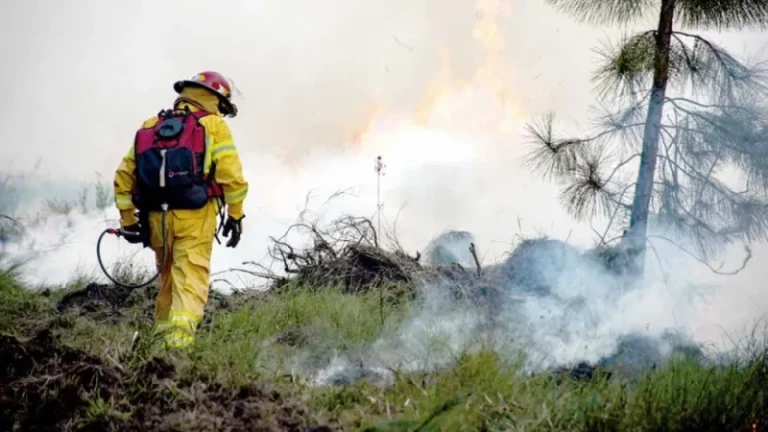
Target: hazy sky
[
  {"x": 308, "y": 70},
  {"x": 80, "y": 76}
]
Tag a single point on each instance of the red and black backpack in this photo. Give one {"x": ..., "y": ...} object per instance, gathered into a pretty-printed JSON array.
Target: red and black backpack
[{"x": 170, "y": 160}]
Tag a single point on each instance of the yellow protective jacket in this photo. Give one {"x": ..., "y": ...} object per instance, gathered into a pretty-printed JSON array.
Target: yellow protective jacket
[{"x": 222, "y": 152}]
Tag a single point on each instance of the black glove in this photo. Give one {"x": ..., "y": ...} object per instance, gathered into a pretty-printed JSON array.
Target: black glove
[
  {"x": 131, "y": 233},
  {"x": 235, "y": 226}
]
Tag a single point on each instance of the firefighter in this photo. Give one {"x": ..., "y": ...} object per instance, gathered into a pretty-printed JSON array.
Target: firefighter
[{"x": 182, "y": 171}]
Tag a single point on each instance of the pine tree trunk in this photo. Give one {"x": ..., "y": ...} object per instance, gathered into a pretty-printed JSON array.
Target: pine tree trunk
[{"x": 638, "y": 223}]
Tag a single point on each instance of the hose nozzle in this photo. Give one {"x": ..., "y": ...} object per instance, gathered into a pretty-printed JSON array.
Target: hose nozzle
[{"x": 122, "y": 233}]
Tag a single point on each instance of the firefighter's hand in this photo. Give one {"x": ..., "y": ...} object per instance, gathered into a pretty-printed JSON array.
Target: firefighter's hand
[
  {"x": 234, "y": 226},
  {"x": 131, "y": 233}
]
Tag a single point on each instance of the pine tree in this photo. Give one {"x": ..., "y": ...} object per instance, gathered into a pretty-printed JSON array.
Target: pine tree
[{"x": 688, "y": 112}]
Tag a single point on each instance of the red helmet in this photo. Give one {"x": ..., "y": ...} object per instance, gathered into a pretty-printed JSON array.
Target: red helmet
[{"x": 215, "y": 83}]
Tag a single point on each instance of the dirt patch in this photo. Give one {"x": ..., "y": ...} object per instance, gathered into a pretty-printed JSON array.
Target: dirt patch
[
  {"x": 43, "y": 385},
  {"x": 112, "y": 304},
  {"x": 47, "y": 386},
  {"x": 292, "y": 337},
  {"x": 108, "y": 303},
  {"x": 219, "y": 302},
  {"x": 215, "y": 407}
]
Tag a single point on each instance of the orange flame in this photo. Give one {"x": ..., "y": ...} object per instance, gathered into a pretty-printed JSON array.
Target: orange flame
[
  {"x": 493, "y": 79},
  {"x": 442, "y": 86},
  {"x": 371, "y": 114},
  {"x": 494, "y": 76}
]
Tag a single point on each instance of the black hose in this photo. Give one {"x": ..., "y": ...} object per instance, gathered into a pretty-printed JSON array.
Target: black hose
[{"x": 130, "y": 286}]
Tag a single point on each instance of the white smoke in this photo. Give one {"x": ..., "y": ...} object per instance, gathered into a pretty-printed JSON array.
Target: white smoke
[
  {"x": 587, "y": 316},
  {"x": 313, "y": 76}
]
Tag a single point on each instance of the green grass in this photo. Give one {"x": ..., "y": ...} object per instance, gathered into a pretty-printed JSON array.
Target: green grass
[
  {"x": 266, "y": 336},
  {"x": 60, "y": 206},
  {"x": 484, "y": 392},
  {"x": 103, "y": 193},
  {"x": 480, "y": 391},
  {"x": 19, "y": 307},
  {"x": 277, "y": 338}
]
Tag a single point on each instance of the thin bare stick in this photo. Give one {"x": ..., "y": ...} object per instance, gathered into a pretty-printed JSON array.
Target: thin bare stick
[
  {"x": 658, "y": 261},
  {"x": 473, "y": 250},
  {"x": 252, "y": 273}
]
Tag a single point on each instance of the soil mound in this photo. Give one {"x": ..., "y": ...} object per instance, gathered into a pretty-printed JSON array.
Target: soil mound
[
  {"x": 111, "y": 303},
  {"x": 43, "y": 386},
  {"x": 47, "y": 386},
  {"x": 107, "y": 302}
]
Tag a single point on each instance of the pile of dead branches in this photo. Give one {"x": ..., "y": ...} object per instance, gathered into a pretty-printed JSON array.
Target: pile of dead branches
[{"x": 346, "y": 252}]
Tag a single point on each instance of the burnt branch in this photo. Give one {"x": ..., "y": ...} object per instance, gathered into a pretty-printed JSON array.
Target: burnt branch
[
  {"x": 344, "y": 251},
  {"x": 473, "y": 251}
]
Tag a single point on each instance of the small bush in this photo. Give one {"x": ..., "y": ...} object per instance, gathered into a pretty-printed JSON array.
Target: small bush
[
  {"x": 103, "y": 192},
  {"x": 9, "y": 193},
  {"x": 130, "y": 272},
  {"x": 83, "y": 199},
  {"x": 59, "y": 206}
]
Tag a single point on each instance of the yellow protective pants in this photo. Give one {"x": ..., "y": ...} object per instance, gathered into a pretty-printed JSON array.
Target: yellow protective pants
[{"x": 189, "y": 236}]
